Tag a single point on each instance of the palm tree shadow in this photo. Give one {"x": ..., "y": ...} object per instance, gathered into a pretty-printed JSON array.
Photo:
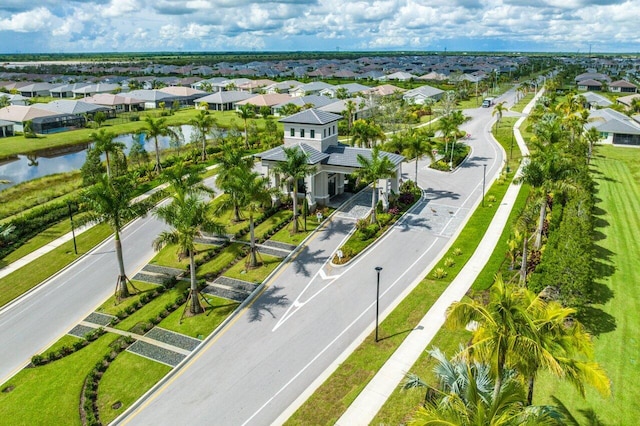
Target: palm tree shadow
[
  {"x": 431, "y": 194},
  {"x": 337, "y": 227},
  {"x": 596, "y": 321},
  {"x": 269, "y": 300},
  {"x": 306, "y": 258}
]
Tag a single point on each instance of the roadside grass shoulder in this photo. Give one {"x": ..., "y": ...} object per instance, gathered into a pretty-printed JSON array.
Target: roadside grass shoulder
[
  {"x": 128, "y": 377},
  {"x": 285, "y": 235},
  {"x": 522, "y": 103},
  {"x": 241, "y": 270},
  {"x": 50, "y": 394},
  {"x": 27, "y": 277},
  {"x": 200, "y": 326},
  {"x": 168, "y": 256}
]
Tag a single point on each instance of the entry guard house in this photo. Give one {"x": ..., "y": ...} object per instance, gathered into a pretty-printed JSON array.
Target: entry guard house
[{"x": 316, "y": 133}]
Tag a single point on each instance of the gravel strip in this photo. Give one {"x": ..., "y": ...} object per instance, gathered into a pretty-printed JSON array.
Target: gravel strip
[
  {"x": 156, "y": 353},
  {"x": 172, "y": 338},
  {"x": 151, "y": 278},
  {"x": 235, "y": 295},
  {"x": 80, "y": 330},
  {"x": 157, "y": 269},
  {"x": 235, "y": 284},
  {"x": 278, "y": 244},
  {"x": 272, "y": 251},
  {"x": 98, "y": 318}
]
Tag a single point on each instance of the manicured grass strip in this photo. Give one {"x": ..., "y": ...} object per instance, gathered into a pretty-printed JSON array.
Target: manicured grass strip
[
  {"x": 27, "y": 277},
  {"x": 498, "y": 260},
  {"x": 224, "y": 258},
  {"x": 286, "y": 236},
  {"x": 112, "y": 307},
  {"x": 241, "y": 271},
  {"x": 335, "y": 395},
  {"x": 65, "y": 340},
  {"x": 615, "y": 318},
  {"x": 168, "y": 256},
  {"x": 50, "y": 394},
  {"x": 200, "y": 326},
  {"x": 268, "y": 224},
  {"x": 128, "y": 377},
  {"x": 519, "y": 107},
  {"x": 40, "y": 240},
  {"x": 504, "y": 135}
]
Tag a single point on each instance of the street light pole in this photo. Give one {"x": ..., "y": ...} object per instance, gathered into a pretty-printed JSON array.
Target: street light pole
[
  {"x": 378, "y": 269},
  {"x": 484, "y": 175}
]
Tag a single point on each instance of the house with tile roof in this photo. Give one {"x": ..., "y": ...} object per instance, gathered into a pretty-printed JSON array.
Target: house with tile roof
[
  {"x": 315, "y": 132},
  {"x": 622, "y": 86},
  {"x": 590, "y": 85},
  {"x": 420, "y": 94},
  {"x": 224, "y": 100},
  {"x": 116, "y": 102},
  {"x": 313, "y": 88}
]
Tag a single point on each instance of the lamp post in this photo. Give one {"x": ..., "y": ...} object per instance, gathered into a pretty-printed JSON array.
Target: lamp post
[
  {"x": 484, "y": 175},
  {"x": 378, "y": 269},
  {"x": 73, "y": 232}
]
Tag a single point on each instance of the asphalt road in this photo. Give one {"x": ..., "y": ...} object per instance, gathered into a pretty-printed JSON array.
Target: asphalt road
[{"x": 310, "y": 313}]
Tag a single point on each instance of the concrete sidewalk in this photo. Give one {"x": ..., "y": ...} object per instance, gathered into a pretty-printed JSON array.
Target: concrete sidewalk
[{"x": 365, "y": 407}]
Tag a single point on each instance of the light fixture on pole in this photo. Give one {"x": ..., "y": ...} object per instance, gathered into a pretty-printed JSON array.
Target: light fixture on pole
[{"x": 378, "y": 269}]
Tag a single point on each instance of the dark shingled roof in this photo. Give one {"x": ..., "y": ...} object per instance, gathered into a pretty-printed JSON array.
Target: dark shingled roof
[
  {"x": 311, "y": 116},
  {"x": 343, "y": 155},
  {"x": 277, "y": 154}
]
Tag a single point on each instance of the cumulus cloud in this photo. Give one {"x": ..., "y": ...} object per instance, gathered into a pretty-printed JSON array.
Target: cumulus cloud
[{"x": 304, "y": 24}]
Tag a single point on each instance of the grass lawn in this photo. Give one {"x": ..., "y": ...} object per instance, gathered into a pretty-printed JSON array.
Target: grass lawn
[
  {"x": 168, "y": 256},
  {"x": 504, "y": 135},
  {"x": 110, "y": 306},
  {"x": 128, "y": 377},
  {"x": 50, "y": 394},
  {"x": 27, "y": 277},
  {"x": 615, "y": 321},
  {"x": 226, "y": 256},
  {"x": 255, "y": 275},
  {"x": 269, "y": 223},
  {"x": 200, "y": 326},
  {"x": 40, "y": 240},
  {"x": 285, "y": 235},
  {"x": 522, "y": 103}
]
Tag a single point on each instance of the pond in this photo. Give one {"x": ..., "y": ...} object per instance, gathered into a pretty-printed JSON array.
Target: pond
[{"x": 22, "y": 168}]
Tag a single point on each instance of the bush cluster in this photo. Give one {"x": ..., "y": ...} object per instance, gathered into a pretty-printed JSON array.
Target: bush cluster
[{"x": 42, "y": 359}]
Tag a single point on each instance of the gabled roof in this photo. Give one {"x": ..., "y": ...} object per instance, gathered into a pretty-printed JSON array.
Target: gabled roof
[
  {"x": 20, "y": 114},
  {"x": 110, "y": 99},
  {"x": 596, "y": 99},
  {"x": 316, "y": 100},
  {"x": 612, "y": 121},
  {"x": 623, "y": 83},
  {"x": 69, "y": 106},
  {"x": 182, "y": 91},
  {"x": 96, "y": 88},
  {"x": 426, "y": 91},
  {"x": 385, "y": 89},
  {"x": 589, "y": 82},
  {"x": 312, "y": 87},
  {"x": 277, "y": 154},
  {"x": 266, "y": 100},
  {"x": 311, "y": 116},
  {"x": 347, "y": 156},
  {"x": 148, "y": 95},
  {"x": 225, "y": 97},
  {"x": 67, "y": 87}
]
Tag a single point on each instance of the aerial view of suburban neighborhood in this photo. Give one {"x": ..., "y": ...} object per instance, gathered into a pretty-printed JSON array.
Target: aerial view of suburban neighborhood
[{"x": 319, "y": 213}]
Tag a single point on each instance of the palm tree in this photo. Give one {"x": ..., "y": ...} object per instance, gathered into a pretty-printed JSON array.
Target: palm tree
[
  {"x": 4, "y": 101},
  {"x": 349, "y": 110},
  {"x": 295, "y": 167},
  {"x": 416, "y": 146},
  {"x": 592, "y": 136},
  {"x": 185, "y": 180},
  {"x": 188, "y": 217},
  {"x": 246, "y": 112},
  {"x": 365, "y": 134},
  {"x": 110, "y": 202},
  {"x": 568, "y": 419},
  {"x": 104, "y": 143},
  {"x": 289, "y": 109},
  {"x": 153, "y": 129},
  {"x": 371, "y": 169},
  {"x": 203, "y": 122},
  {"x": 232, "y": 163},
  {"x": 255, "y": 195},
  {"x": 498, "y": 111}
]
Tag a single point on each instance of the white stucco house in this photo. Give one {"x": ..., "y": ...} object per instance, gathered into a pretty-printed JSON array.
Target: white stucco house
[{"x": 316, "y": 133}]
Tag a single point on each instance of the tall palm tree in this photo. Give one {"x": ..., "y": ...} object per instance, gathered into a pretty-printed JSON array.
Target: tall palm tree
[
  {"x": 294, "y": 168},
  {"x": 204, "y": 123},
  {"x": 371, "y": 169},
  {"x": 185, "y": 180},
  {"x": 416, "y": 146},
  {"x": 349, "y": 110},
  {"x": 231, "y": 163},
  {"x": 188, "y": 218},
  {"x": 104, "y": 143},
  {"x": 498, "y": 111},
  {"x": 153, "y": 129},
  {"x": 246, "y": 112},
  {"x": 110, "y": 202},
  {"x": 255, "y": 195},
  {"x": 366, "y": 134}
]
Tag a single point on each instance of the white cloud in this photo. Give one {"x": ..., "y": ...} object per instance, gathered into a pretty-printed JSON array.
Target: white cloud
[
  {"x": 117, "y": 8},
  {"x": 24, "y": 22}
]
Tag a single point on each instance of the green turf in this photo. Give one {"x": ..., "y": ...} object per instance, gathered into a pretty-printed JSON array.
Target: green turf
[
  {"x": 224, "y": 258},
  {"x": 128, "y": 377},
  {"x": 168, "y": 256},
  {"x": 242, "y": 271},
  {"x": 522, "y": 103},
  {"x": 285, "y": 235},
  {"x": 27, "y": 277},
  {"x": 615, "y": 320},
  {"x": 200, "y": 326},
  {"x": 50, "y": 394},
  {"x": 112, "y": 306}
]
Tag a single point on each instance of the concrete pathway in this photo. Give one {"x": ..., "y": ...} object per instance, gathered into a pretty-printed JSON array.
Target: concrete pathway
[{"x": 365, "y": 407}]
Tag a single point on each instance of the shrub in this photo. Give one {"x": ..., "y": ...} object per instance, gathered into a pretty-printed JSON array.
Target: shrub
[
  {"x": 37, "y": 360},
  {"x": 491, "y": 198},
  {"x": 449, "y": 262},
  {"x": 439, "y": 273},
  {"x": 457, "y": 251}
]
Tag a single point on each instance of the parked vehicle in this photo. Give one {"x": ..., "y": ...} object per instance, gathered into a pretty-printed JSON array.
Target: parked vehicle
[{"x": 487, "y": 102}]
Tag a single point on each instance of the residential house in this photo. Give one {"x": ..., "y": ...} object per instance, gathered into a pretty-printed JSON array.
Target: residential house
[
  {"x": 590, "y": 85},
  {"x": 76, "y": 107},
  {"x": 254, "y": 86},
  {"x": 362, "y": 107},
  {"x": 65, "y": 90},
  {"x": 315, "y": 101},
  {"x": 627, "y": 100},
  {"x": 271, "y": 100},
  {"x": 420, "y": 94},
  {"x": 42, "y": 121},
  {"x": 6, "y": 128},
  {"x": 615, "y": 128},
  {"x": 186, "y": 95},
  {"x": 282, "y": 87},
  {"x": 223, "y": 100},
  {"x": 36, "y": 89},
  {"x": 16, "y": 99},
  {"x": 351, "y": 89},
  {"x": 152, "y": 98},
  {"x": 622, "y": 86},
  {"x": 92, "y": 89},
  {"x": 594, "y": 100},
  {"x": 383, "y": 90},
  {"x": 316, "y": 134},
  {"x": 313, "y": 88},
  {"x": 116, "y": 102},
  {"x": 399, "y": 76}
]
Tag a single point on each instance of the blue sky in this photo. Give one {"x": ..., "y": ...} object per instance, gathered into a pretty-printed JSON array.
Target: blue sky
[{"x": 285, "y": 25}]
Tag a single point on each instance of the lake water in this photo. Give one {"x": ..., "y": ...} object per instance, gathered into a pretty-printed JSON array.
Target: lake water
[{"x": 23, "y": 168}]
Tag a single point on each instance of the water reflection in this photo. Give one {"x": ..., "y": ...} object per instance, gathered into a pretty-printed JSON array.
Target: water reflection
[{"x": 46, "y": 162}]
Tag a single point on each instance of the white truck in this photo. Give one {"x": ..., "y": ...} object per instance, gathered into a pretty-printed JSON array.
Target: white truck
[{"x": 488, "y": 102}]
